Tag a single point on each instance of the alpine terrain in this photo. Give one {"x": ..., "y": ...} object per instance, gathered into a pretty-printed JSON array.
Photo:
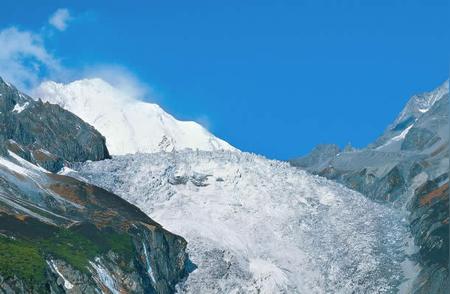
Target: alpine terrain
[
  {"x": 407, "y": 166},
  {"x": 129, "y": 125},
  {"x": 62, "y": 235},
  {"x": 248, "y": 224}
]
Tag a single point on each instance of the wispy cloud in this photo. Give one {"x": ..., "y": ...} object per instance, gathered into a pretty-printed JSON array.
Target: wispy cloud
[
  {"x": 60, "y": 19},
  {"x": 24, "y": 60},
  {"x": 204, "y": 121},
  {"x": 121, "y": 78}
]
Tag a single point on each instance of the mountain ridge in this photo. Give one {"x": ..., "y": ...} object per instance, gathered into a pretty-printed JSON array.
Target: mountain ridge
[{"x": 407, "y": 166}]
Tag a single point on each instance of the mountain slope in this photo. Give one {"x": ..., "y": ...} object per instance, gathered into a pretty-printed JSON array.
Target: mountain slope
[
  {"x": 61, "y": 235},
  {"x": 260, "y": 226},
  {"x": 129, "y": 125},
  {"x": 48, "y": 133},
  {"x": 408, "y": 165},
  {"x": 417, "y": 108}
]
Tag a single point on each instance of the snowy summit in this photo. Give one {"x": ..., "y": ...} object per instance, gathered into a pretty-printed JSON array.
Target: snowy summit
[{"x": 129, "y": 125}]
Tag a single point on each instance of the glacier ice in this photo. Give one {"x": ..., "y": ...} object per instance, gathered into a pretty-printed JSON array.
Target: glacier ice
[{"x": 255, "y": 225}]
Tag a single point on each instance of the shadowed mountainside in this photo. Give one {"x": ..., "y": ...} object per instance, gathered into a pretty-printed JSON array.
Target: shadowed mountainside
[{"x": 61, "y": 235}]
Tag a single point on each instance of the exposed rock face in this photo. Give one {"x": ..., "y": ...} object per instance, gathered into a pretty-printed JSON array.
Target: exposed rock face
[
  {"x": 408, "y": 165},
  {"x": 429, "y": 223},
  {"x": 46, "y": 133},
  {"x": 61, "y": 235}
]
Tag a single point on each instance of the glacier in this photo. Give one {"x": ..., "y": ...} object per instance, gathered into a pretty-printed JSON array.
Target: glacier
[{"x": 255, "y": 225}]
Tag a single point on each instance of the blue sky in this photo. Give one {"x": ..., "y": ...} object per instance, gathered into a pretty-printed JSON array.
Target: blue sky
[{"x": 271, "y": 77}]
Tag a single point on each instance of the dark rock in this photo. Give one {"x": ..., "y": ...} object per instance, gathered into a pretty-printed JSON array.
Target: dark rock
[{"x": 47, "y": 129}]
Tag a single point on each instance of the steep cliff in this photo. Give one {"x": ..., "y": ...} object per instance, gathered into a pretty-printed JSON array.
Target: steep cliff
[
  {"x": 46, "y": 133},
  {"x": 61, "y": 235}
]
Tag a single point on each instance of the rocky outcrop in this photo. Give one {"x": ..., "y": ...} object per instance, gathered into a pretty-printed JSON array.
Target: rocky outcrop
[
  {"x": 429, "y": 223},
  {"x": 407, "y": 166},
  {"x": 44, "y": 133},
  {"x": 61, "y": 235},
  {"x": 318, "y": 158}
]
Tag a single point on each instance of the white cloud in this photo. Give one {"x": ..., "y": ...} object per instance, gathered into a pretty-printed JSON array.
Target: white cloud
[
  {"x": 60, "y": 19},
  {"x": 24, "y": 60},
  {"x": 121, "y": 78},
  {"x": 205, "y": 122}
]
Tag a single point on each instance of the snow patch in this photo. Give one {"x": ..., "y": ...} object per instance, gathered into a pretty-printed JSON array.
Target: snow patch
[
  {"x": 420, "y": 104},
  {"x": 19, "y": 108},
  {"x": 395, "y": 139},
  {"x": 13, "y": 167},
  {"x": 147, "y": 260},
  {"x": 68, "y": 285},
  {"x": 28, "y": 165},
  {"x": 66, "y": 171},
  {"x": 103, "y": 276}
]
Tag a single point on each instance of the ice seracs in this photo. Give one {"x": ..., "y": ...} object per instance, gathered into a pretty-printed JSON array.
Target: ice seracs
[
  {"x": 260, "y": 226},
  {"x": 129, "y": 125}
]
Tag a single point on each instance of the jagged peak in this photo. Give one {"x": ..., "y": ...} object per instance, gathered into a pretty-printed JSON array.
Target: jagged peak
[{"x": 421, "y": 103}]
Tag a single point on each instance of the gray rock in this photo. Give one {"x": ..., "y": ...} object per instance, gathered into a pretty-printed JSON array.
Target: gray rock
[{"x": 50, "y": 132}]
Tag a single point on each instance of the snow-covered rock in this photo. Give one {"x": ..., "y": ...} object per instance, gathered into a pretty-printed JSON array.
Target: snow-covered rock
[
  {"x": 129, "y": 125},
  {"x": 260, "y": 226}
]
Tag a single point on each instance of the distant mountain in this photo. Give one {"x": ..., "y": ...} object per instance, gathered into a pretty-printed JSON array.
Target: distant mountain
[
  {"x": 61, "y": 235},
  {"x": 129, "y": 125},
  {"x": 408, "y": 165},
  {"x": 255, "y": 225},
  {"x": 417, "y": 123}
]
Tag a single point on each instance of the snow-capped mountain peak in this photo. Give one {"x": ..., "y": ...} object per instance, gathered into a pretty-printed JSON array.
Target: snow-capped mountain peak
[
  {"x": 417, "y": 109},
  {"x": 129, "y": 125},
  {"x": 420, "y": 104}
]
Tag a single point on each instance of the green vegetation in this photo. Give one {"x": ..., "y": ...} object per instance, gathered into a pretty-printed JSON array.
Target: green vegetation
[
  {"x": 22, "y": 260},
  {"x": 77, "y": 248},
  {"x": 121, "y": 244},
  {"x": 73, "y": 248},
  {"x": 25, "y": 258}
]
